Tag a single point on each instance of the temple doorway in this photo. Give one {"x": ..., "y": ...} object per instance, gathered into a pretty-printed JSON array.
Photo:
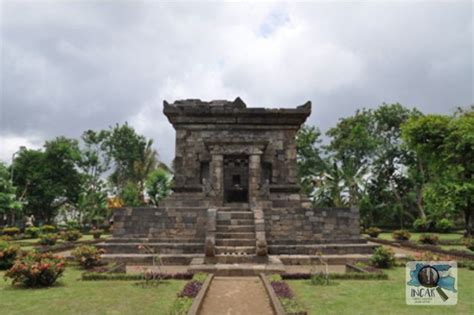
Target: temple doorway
[{"x": 236, "y": 178}]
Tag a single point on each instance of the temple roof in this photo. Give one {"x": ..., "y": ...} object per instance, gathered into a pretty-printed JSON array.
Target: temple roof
[{"x": 195, "y": 111}]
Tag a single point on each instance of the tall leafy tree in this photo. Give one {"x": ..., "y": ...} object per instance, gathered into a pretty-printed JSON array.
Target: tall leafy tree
[
  {"x": 158, "y": 185},
  {"x": 10, "y": 206}
]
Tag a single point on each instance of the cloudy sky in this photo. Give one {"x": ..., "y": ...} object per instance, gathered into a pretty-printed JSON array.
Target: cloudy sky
[{"x": 71, "y": 66}]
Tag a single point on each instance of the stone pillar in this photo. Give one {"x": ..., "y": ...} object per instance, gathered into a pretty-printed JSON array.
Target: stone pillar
[
  {"x": 217, "y": 179},
  {"x": 255, "y": 178}
]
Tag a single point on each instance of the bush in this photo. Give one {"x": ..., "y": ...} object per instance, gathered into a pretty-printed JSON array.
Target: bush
[
  {"x": 401, "y": 235},
  {"x": 319, "y": 279},
  {"x": 32, "y": 232},
  {"x": 6, "y": 238},
  {"x": 430, "y": 239},
  {"x": 8, "y": 254},
  {"x": 444, "y": 226},
  {"x": 11, "y": 231},
  {"x": 373, "y": 231},
  {"x": 200, "y": 277},
  {"x": 88, "y": 256},
  {"x": 382, "y": 258},
  {"x": 48, "y": 229},
  {"x": 422, "y": 225},
  {"x": 97, "y": 233},
  {"x": 281, "y": 289},
  {"x": 71, "y": 236},
  {"x": 469, "y": 242},
  {"x": 73, "y": 225},
  {"x": 35, "y": 269},
  {"x": 48, "y": 239},
  {"x": 191, "y": 289},
  {"x": 181, "y": 306}
]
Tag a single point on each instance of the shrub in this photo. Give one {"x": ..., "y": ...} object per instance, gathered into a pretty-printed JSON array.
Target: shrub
[
  {"x": 292, "y": 307},
  {"x": 401, "y": 235},
  {"x": 97, "y": 233},
  {"x": 88, "y": 256},
  {"x": 73, "y": 225},
  {"x": 469, "y": 242},
  {"x": 191, "y": 289},
  {"x": 181, "y": 306},
  {"x": 282, "y": 290},
  {"x": 32, "y": 232},
  {"x": 444, "y": 226},
  {"x": 71, "y": 236},
  {"x": 35, "y": 269},
  {"x": 373, "y": 231},
  {"x": 8, "y": 254},
  {"x": 319, "y": 279},
  {"x": 422, "y": 225},
  {"x": 48, "y": 229},
  {"x": 382, "y": 258},
  {"x": 200, "y": 277},
  {"x": 48, "y": 239},
  {"x": 427, "y": 256},
  {"x": 11, "y": 231},
  {"x": 430, "y": 239},
  {"x": 6, "y": 238}
]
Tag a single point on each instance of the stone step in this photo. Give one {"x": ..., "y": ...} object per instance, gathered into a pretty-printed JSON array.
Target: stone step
[
  {"x": 235, "y": 222},
  {"x": 235, "y": 235},
  {"x": 158, "y": 248},
  {"x": 248, "y": 250},
  {"x": 236, "y": 259},
  {"x": 228, "y": 215},
  {"x": 329, "y": 259},
  {"x": 235, "y": 228},
  {"x": 235, "y": 242},
  {"x": 235, "y": 205},
  {"x": 238, "y": 269},
  {"x": 325, "y": 249},
  {"x": 147, "y": 259},
  {"x": 152, "y": 240}
]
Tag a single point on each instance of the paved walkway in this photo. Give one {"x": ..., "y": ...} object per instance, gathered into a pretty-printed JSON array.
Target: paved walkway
[{"x": 236, "y": 296}]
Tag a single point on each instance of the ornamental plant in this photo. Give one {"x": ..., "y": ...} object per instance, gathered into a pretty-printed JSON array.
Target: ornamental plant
[
  {"x": 8, "y": 254},
  {"x": 97, "y": 233},
  {"x": 48, "y": 239},
  {"x": 48, "y": 229},
  {"x": 373, "y": 231},
  {"x": 36, "y": 270},
  {"x": 469, "y": 242},
  {"x": 383, "y": 258},
  {"x": 430, "y": 239},
  {"x": 191, "y": 289},
  {"x": 401, "y": 235},
  {"x": 444, "y": 225},
  {"x": 422, "y": 225},
  {"x": 11, "y": 231},
  {"x": 32, "y": 232},
  {"x": 71, "y": 236},
  {"x": 88, "y": 256}
]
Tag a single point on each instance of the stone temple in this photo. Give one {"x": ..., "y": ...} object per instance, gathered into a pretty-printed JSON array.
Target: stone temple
[{"x": 236, "y": 198}]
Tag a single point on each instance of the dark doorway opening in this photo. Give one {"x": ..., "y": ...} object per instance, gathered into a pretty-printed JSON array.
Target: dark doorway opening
[{"x": 236, "y": 178}]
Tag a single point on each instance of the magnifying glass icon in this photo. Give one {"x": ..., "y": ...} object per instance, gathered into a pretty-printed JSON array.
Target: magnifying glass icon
[{"x": 428, "y": 277}]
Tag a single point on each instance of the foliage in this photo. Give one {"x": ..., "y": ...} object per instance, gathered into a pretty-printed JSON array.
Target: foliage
[
  {"x": 382, "y": 258},
  {"x": 292, "y": 307},
  {"x": 48, "y": 229},
  {"x": 469, "y": 242},
  {"x": 158, "y": 185},
  {"x": 444, "y": 225},
  {"x": 48, "y": 239},
  {"x": 181, "y": 306},
  {"x": 431, "y": 239},
  {"x": 9, "y": 204},
  {"x": 131, "y": 195},
  {"x": 8, "y": 254},
  {"x": 32, "y": 232},
  {"x": 422, "y": 225},
  {"x": 191, "y": 289},
  {"x": 48, "y": 179},
  {"x": 34, "y": 269},
  {"x": 71, "y": 235},
  {"x": 401, "y": 235},
  {"x": 281, "y": 289},
  {"x": 88, "y": 256},
  {"x": 373, "y": 231},
  {"x": 11, "y": 231},
  {"x": 319, "y": 279},
  {"x": 200, "y": 277}
]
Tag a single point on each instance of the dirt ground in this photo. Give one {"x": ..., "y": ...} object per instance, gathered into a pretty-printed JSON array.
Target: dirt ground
[{"x": 236, "y": 296}]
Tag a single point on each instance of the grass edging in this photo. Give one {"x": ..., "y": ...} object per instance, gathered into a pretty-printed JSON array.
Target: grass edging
[
  {"x": 275, "y": 301},
  {"x": 198, "y": 300}
]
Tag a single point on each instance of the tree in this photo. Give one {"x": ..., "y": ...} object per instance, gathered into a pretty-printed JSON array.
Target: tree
[
  {"x": 158, "y": 185},
  {"x": 47, "y": 179},
  {"x": 10, "y": 207}
]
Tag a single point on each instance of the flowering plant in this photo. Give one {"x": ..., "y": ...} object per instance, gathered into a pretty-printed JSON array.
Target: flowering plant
[
  {"x": 8, "y": 254},
  {"x": 88, "y": 256},
  {"x": 48, "y": 239},
  {"x": 71, "y": 235},
  {"x": 35, "y": 270}
]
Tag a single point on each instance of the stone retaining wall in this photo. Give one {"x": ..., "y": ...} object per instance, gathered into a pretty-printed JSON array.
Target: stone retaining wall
[
  {"x": 161, "y": 223},
  {"x": 301, "y": 225}
]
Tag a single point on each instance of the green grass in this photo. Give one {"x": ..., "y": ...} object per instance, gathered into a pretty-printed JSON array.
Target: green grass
[
  {"x": 71, "y": 296},
  {"x": 385, "y": 297},
  {"x": 416, "y": 235},
  {"x": 456, "y": 247}
]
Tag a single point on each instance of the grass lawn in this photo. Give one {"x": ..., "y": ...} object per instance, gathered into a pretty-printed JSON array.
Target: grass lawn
[
  {"x": 416, "y": 235},
  {"x": 377, "y": 297},
  {"x": 71, "y": 296},
  {"x": 456, "y": 247}
]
